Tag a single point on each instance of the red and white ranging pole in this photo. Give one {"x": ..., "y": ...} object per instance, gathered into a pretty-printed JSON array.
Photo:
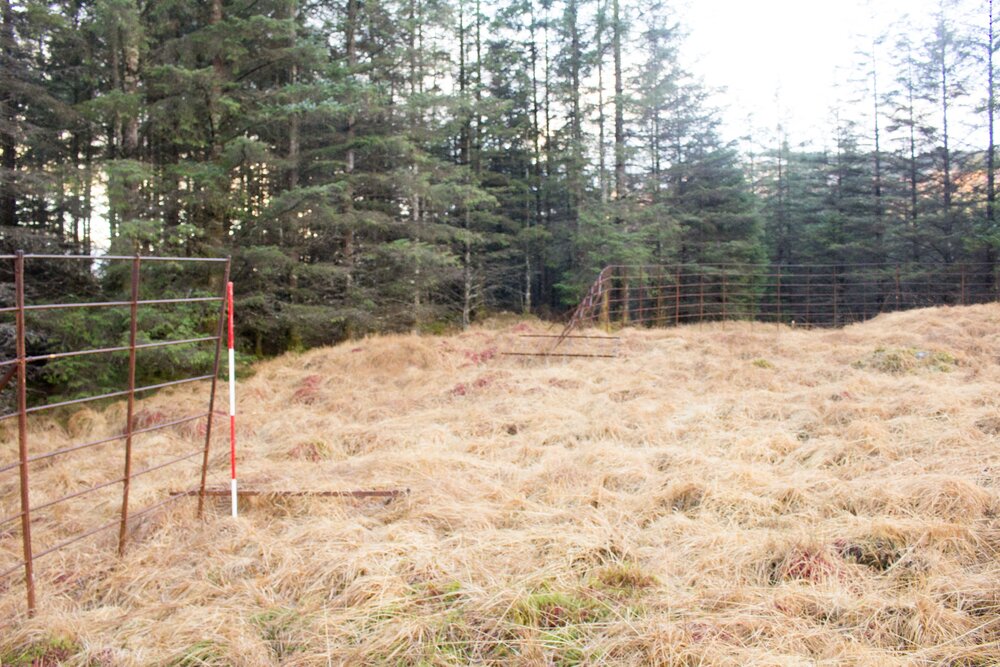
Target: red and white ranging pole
[{"x": 232, "y": 397}]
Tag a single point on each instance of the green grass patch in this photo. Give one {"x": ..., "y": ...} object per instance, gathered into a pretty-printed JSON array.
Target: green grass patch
[
  {"x": 46, "y": 653},
  {"x": 899, "y": 361},
  {"x": 279, "y": 628},
  {"x": 201, "y": 654},
  {"x": 622, "y": 577},
  {"x": 554, "y": 609}
]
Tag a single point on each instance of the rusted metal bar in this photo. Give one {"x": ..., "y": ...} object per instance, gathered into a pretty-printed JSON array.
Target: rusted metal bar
[
  {"x": 102, "y": 485},
  {"x": 567, "y": 337},
  {"x": 558, "y": 354},
  {"x": 130, "y": 409},
  {"x": 104, "y": 350},
  {"x": 111, "y": 524},
  {"x": 111, "y": 304},
  {"x": 104, "y": 441},
  {"x": 147, "y": 258},
  {"x": 113, "y": 394},
  {"x": 62, "y": 499},
  {"x": 392, "y": 493},
  {"x": 22, "y": 431},
  {"x": 211, "y": 395}
]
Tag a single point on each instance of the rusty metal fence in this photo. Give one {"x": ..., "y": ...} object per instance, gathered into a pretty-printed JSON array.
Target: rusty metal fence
[
  {"x": 17, "y": 367},
  {"x": 811, "y": 295}
]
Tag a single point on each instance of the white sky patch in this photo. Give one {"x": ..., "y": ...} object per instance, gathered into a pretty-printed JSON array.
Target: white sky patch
[{"x": 781, "y": 60}]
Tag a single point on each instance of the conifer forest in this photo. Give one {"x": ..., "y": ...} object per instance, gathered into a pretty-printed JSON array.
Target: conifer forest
[{"x": 378, "y": 165}]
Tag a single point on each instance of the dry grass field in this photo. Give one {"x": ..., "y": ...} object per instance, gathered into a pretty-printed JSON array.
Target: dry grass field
[{"x": 717, "y": 495}]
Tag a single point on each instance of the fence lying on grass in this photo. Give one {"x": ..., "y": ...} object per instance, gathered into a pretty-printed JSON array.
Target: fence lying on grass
[
  {"x": 18, "y": 367},
  {"x": 811, "y": 295}
]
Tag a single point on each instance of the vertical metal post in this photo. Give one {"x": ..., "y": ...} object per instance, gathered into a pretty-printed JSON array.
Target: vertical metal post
[
  {"x": 779, "y": 294},
  {"x": 660, "y": 318},
  {"x": 898, "y": 291},
  {"x": 130, "y": 410},
  {"x": 835, "y": 316},
  {"x": 211, "y": 396},
  {"x": 864, "y": 297},
  {"x": 639, "y": 312},
  {"x": 625, "y": 296},
  {"x": 677, "y": 297},
  {"x": 808, "y": 294},
  {"x": 605, "y": 293},
  {"x": 22, "y": 430},
  {"x": 963, "y": 285},
  {"x": 724, "y": 295},
  {"x": 701, "y": 297}
]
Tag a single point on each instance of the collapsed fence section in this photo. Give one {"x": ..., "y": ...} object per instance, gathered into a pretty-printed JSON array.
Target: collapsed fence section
[
  {"x": 28, "y": 456},
  {"x": 812, "y": 295}
]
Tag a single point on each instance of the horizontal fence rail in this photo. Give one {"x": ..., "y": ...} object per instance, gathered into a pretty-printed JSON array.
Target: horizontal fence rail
[
  {"x": 18, "y": 367},
  {"x": 811, "y": 295}
]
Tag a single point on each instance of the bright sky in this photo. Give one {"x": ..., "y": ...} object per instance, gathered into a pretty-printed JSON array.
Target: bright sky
[{"x": 755, "y": 48}]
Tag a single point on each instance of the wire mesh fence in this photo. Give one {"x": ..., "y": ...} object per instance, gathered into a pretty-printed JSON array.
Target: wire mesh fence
[
  {"x": 811, "y": 295},
  {"x": 26, "y": 511}
]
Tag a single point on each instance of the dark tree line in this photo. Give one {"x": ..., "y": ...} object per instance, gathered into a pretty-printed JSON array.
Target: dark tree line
[{"x": 384, "y": 164}]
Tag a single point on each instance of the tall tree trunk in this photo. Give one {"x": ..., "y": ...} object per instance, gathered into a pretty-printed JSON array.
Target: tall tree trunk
[
  {"x": 217, "y": 225},
  {"x": 879, "y": 205},
  {"x": 602, "y": 172},
  {"x": 991, "y": 116},
  {"x": 8, "y": 142},
  {"x": 536, "y": 168},
  {"x": 991, "y": 250},
  {"x": 619, "y": 104},
  {"x": 130, "y": 132},
  {"x": 575, "y": 166},
  {"x": 464, "y": 158},
  {"x": 414, "y": 167},
  {"x": 350, "y": 41}
]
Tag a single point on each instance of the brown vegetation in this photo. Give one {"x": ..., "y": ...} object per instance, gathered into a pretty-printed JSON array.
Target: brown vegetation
[{"x": 721, "y": 494}]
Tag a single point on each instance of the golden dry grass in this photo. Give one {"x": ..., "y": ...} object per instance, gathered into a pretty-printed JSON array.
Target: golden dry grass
[{"x": 718, "y": 495}]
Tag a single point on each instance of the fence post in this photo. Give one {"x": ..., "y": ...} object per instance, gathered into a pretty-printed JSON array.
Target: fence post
[
  {"x": 641, "y": 291},
  {"x": 779, "y": 294},
  {"x": 864, "y": 294},
  {"x": 625, "y": 296},
  {"x": 808, "y": 295},
  {"x": 963, "y": 284},
  {"x": 211, "y": 396},
  {"x": 677, "y": 297},
  {"x": 605, "y": 302},
  {"x": 130, "y": 410},
  {"x": 701, "y": 297},
  {"x": 898, "y": 294},
  {"x": 724, "y": 295},
  {"x": 835, "y": 315},
  {"x": 22, "y": 430},
  {"x": 660, "y": 318}
]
